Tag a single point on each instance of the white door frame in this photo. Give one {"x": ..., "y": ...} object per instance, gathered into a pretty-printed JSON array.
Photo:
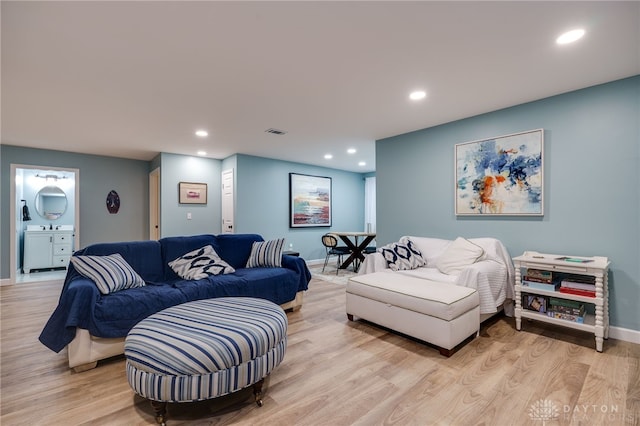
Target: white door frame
[
  {"x": 227, "y": 205},
  {"x": 154, "y": 204},
  {"x": 13, "y": 241}
]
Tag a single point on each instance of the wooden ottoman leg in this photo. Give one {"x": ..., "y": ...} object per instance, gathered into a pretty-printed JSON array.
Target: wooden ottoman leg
[
  {"x": 446, "y": 352},
  {"x": 257, "y": 392},
  {"x": 160, "y": 409}
]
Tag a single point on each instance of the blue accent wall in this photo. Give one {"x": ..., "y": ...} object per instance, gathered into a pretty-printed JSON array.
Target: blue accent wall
[
  {"x": 262, "y": 202},
  {"x": 261, "y": 197},
  {"x": 98, "y": 176},
  {"x": 205, "y": 218},
  {"x": 261, "y": 187},
  {"x": 591, "y": 184}
]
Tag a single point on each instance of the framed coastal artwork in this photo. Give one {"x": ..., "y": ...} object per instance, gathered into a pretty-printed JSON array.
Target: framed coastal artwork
[
  {"x": 192, "y": 193},
  {"x": 309, "y": 201},
  {"x": 501, "y": 176}
]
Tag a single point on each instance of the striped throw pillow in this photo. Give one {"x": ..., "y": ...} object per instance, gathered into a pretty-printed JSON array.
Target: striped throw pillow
[
  {"x": 110, "y": 273},
  {"x": 200, "y": 263},
  {"x": 266, "y": 254}
]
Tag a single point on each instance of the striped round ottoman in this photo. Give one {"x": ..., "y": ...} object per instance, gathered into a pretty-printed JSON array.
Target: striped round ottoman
[{"x": 205, "y": 349}]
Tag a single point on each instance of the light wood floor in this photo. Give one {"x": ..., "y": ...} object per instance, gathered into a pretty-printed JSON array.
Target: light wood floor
[{"x": 338, "y": 372}]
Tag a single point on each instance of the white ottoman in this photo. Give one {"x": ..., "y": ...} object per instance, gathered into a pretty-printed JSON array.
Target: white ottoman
[{"x": 442, "y": 314}]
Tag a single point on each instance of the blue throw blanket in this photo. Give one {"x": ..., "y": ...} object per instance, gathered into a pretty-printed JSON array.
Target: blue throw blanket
[{"x": 113, "y": 315}]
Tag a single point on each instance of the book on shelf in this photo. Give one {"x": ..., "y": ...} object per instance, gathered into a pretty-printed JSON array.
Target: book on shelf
[
  {"x": 555, "y": 301},
  {"x": 577, "y": 278},
  {"x": 537, "y": 279},
  {"x": 541, "y": 286},
  {"x": 567, "y": 310},
  {"x": 566, "y": 317},
  {"x": 574, "y": 259},
  {"x": 574, "y": 284},
  {"x": 578, "y": 291},
  {"x": 539, "y": 273},
  {"x": 534, "y": 302}
]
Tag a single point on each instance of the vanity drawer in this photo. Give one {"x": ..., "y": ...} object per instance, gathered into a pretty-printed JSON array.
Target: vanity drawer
[
  {"x": 59, "y": 261},
  {"x": 62, "y": 238},
  {"x": 62, "y": 249}
]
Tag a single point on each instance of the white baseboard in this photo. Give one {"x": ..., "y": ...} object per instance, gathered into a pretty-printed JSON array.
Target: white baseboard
[
  {"x": 625, "y": 334},
  {"x": 619, "y": 333},
  {"x": 314, "y": 262},
  {"x": 7, "y": 281}
]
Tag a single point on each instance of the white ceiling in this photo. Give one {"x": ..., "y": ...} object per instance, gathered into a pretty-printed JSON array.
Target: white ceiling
[{"x": 131, "y": 79}]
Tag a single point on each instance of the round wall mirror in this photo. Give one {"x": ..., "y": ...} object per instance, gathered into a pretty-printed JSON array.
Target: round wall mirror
[{"x": 51, "y": 202}]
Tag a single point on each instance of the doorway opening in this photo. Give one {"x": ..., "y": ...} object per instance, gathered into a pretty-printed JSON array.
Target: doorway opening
[
  {"x": 154, "y": 204},
  {"x": 44, "y": 208}
]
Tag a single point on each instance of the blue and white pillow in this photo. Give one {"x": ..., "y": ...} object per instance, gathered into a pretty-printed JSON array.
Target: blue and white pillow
[
  {"x": 403, "y": 255},
  {"x": 110, "y": 273},
  {"x": 267, "y": 254},
  {"x": 200, "y": 263}
]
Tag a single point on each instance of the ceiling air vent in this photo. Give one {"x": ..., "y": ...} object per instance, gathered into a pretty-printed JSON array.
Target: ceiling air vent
[{"x": 275, "y": 131}]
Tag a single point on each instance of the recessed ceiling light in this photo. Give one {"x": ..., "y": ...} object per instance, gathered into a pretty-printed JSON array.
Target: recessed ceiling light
[
  {"x": 417, "y": 95},
  {"x": 351, "y": 151},
  {"x": 202, "y": 133},
  {"x": 362, "y": 163},
  {"x": 328, "y": 156},
  {"x": 570, "y": 36},
  {"x": 201, "y": 153}
]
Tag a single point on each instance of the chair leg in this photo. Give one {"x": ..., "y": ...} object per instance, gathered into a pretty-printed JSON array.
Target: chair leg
[
  {"x": 338, "y": 263},
  {"x": 326, "y": 260}
]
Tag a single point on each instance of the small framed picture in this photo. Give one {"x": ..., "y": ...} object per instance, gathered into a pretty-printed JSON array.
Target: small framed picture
[{"x": 192, "y": 193}]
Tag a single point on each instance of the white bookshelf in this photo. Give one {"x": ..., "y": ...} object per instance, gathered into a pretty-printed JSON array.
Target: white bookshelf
[{"x": 596, "y": 266}]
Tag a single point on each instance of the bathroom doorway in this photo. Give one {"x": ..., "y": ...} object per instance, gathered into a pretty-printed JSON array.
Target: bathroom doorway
[{"x": 43, "y": 200}]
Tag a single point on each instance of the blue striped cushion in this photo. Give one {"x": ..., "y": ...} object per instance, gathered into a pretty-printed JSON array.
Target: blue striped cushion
[
  {"x": 110, "y": 273},
  {"x": 198, "y": 387},
  {"x": 266, "y": 254},
  {"x": 205, "y": 348}
]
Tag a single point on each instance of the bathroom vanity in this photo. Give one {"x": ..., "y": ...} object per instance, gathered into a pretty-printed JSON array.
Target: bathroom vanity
[{"x": 47, "y": 249}]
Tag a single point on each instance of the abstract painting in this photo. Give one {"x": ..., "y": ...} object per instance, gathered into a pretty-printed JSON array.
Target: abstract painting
[
  {"x": 310, "y": 200},
  {"x": 500, "y": 176}
]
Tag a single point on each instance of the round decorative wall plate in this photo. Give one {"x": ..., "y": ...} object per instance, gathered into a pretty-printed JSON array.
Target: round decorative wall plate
[{"x": 113, "y": 202}]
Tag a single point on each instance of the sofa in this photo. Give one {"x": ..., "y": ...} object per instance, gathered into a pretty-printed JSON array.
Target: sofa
[
  {"x": 93, "y": 319},
  {"x": 436, "y": 290}
]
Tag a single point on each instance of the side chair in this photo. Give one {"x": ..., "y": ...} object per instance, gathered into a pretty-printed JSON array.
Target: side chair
[{"x": 332, "y": 248}]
